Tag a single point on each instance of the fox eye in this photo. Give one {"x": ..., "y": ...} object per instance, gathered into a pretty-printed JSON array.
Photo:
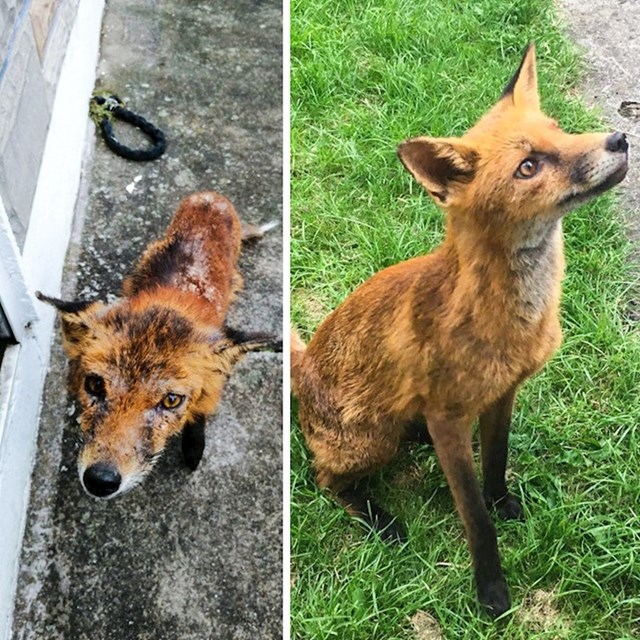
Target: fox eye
[
  {"x": 528, "y": 168},
  {"x": 171, "y": 401},
  {"x": 94, "y": 386}
]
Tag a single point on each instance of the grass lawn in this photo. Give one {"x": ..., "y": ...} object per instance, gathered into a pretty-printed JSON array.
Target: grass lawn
[{"x": 366, "y": 75}]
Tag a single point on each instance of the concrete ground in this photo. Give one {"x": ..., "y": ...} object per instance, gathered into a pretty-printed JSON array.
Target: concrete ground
[
  {"x": 184, "y": 556},
  {"x": 607, "y": 33}
]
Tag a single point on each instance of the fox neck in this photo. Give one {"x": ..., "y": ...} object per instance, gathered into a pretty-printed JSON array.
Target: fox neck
[
  {"x": 514, "y": 277},
  {"x": 188, "y": 304}
]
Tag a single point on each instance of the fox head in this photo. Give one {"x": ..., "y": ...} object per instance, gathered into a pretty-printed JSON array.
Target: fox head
[
  {"x": 515, "y": 173},
  {"x": 142, "y": 369}
]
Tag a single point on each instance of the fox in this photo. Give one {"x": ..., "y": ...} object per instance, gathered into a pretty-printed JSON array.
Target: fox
[
  {"x": 446, "y": 338},
  {"x": 153, "y": 364}
]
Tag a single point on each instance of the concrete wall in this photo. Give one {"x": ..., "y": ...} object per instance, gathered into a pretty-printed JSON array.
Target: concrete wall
[
  {"x": 33, "y": 41},
  {"x": 48, "y": 57}
]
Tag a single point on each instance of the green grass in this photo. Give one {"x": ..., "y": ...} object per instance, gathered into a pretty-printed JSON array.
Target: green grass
[{"x": 364, "y": 77}]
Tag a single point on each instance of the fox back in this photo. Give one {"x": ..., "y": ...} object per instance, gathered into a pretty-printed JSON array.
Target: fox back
[{"x": 198, "y": 255}]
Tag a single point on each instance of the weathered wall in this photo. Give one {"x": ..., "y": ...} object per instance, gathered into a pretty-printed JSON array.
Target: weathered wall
[{"x": 33, "y": 40}]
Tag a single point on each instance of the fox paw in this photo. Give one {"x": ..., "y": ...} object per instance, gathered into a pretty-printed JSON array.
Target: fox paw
[
  {"x": 508, "y": 507},
  {"x": 392, "y": 533},
  {"x": 388, "y": 528},
  {"x": 494, "y": 596},
  {"x": 192, "y": 458}
]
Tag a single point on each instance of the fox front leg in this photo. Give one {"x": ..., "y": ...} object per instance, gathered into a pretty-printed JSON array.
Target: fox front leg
[
  {"x": 452, "y": 442},
  {"x": 193, "y": 442},
  {"x": 494, "y": 439}
]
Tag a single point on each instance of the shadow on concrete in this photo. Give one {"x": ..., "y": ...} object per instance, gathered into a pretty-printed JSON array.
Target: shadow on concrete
[{"x": 184, "y": 556}]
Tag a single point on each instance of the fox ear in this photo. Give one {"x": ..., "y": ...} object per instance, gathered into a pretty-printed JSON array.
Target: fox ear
[
  {"x": 438, "y": 164},
  {"x": 523, "y": 87},
  {"x": 233, "y": 344},
  {"x": 73, "y": 319}
]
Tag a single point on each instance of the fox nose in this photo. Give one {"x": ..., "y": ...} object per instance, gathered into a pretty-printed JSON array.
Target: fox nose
[
  {"x": 101, "y": 480},
  {"x": 617, "y": 142}
]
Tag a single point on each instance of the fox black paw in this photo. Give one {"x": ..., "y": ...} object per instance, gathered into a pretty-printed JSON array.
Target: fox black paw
[
  {"x": 388, "y": 528},
  {"x": 494, "y": 596},
  {"x": 193, "y": 442},
  {"x": 508, "y": 507},
  {"x": 192, "y": 458}
]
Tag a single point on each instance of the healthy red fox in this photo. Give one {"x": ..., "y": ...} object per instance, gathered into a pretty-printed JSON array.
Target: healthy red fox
[
  {"x": 450, "y": 336},
  {"x": 154, "y": 363}
]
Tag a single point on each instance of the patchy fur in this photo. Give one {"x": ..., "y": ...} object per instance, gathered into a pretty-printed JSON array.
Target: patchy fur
[
  {"x": 154, "y": 363},
  {"x": 450, "y": 336}
]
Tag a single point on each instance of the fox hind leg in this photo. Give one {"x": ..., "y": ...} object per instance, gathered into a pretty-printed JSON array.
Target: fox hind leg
[
  {"x": 342, "y": 465},
  {"x": 350, "y": 493},
  {"x": 359, "y": 504}
]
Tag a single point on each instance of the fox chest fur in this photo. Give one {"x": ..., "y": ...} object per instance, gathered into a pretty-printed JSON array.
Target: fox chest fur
[{"x": 452, "y": 337}]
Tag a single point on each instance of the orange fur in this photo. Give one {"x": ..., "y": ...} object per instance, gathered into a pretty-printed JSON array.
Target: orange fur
[
  {"x": 163, "y": 342},
  {"x": 450, "y": 336}
]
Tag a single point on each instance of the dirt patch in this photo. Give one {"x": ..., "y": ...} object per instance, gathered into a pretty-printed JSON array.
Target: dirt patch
[
  {"x": 314, "y": 308},
  {"x": 425, "y": 626},
  {"x": 538, "y": 613}
]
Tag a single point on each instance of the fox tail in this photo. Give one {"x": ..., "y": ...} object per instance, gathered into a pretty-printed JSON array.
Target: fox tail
[{"x": 297, "y": 349}]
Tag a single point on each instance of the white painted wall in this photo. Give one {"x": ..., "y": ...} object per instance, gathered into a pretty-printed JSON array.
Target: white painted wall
[{"x": 39, "y": 268}]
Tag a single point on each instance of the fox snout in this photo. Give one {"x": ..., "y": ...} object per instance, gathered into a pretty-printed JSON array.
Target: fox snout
[
  {"x": 617, "y": 147},
  {"x": 616, "y": 159},
  {"x": 617, "y": 143},
  {"x": 105, "y": 478},
  {"x": 112, "y": 464},
  {"x": 100, "y": 480},
  {"x": 609, "y": 157},
  {"x": 596, "y": 170}
]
